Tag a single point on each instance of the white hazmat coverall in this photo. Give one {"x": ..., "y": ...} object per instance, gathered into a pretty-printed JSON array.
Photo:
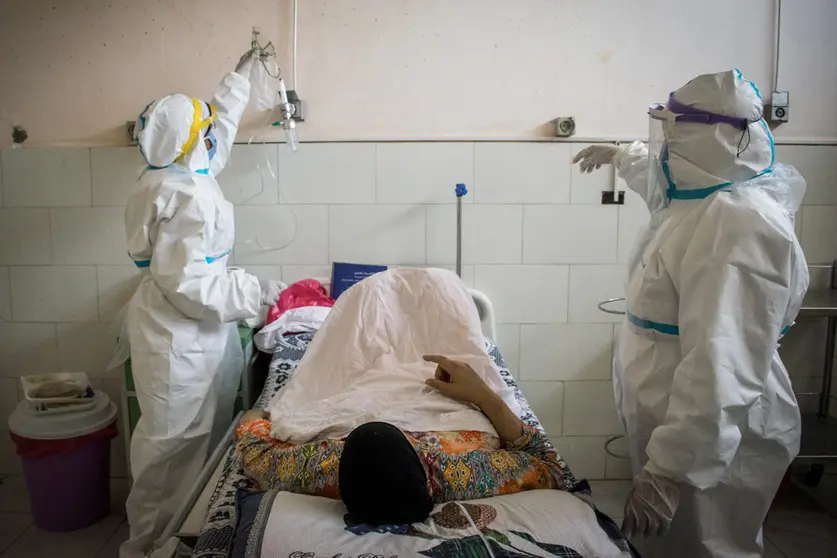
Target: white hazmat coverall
[
  {"x": 715, "y": 281},
  {"x": 185, "y": 350}
]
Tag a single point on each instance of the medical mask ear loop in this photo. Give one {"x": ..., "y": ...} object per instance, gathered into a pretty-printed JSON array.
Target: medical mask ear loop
[
  {"x": 747, "y": 133},
  {"x": 477, "y": 529}
]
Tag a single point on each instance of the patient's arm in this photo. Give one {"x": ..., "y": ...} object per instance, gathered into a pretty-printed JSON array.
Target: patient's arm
[
  {"x": 254, "y": 414},
  {"x": 528, "y": 460},
  {"x": 305, "y": 469},
  {"x": 459, "y": 381}
]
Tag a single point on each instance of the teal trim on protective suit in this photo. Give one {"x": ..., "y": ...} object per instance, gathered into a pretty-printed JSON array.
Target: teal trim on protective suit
[
  {"x": 209, "y": 259},
  {"x": 668, "y": 329}
]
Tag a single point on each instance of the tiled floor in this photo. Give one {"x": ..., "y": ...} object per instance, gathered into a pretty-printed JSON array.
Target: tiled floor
[
  {"x": 796, "y": 527},
  {"x": 19, "y": 538}
]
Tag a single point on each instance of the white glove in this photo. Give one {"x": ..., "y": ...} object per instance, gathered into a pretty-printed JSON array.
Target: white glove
[
  {"x": 244, "y": 64},
  {"x": 271, "y": 290},
  {"x": 651, "y": 505},
  {"x": 595, "y": 156}
]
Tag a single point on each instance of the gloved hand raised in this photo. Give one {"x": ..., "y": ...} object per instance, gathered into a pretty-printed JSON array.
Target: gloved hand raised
[
  {"x": 271, "y": 290},
  {"x": 244, "y": 64},
  {"x": 595, "y": 156},
  {"x": 651, "y": 505}
]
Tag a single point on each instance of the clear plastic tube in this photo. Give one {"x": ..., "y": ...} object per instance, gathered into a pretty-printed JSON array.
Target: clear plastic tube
[
  {"x": 266, "y": 54},
  {"x": 291, "y": 139},
  {"x": 267, "y": 168}
]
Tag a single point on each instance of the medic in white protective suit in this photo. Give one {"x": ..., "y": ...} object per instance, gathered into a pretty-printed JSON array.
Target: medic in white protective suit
[
  {"x": 716, "y": 279},
  {"x": 186, "y": 355}
]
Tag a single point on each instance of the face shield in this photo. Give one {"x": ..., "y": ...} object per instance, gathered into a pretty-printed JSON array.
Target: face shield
[
  {"x": 209, "y": 139},
  {"x": 672, "y": 138},
  {"x": 658, "y": 117}
]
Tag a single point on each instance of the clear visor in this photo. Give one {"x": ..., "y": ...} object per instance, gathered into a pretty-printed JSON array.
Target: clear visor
[{"x": 657, "y": 116}]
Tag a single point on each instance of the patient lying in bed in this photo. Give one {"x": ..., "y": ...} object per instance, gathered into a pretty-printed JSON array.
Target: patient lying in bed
[
  {"x": 384, "y": 475},
  {"x": 368, "y": 418}
]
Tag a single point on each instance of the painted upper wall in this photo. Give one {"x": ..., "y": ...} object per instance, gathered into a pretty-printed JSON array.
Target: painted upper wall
[{"x": 74, "y": 72}]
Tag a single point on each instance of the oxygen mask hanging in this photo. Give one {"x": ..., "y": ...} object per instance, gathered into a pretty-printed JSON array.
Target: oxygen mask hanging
[
  {"x": 267, "y": 88},
  {"x": 264, "y": 75}
]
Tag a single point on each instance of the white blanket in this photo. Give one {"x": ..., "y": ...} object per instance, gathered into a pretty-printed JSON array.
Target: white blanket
[
  {"x": 366, "y": 363},
  {"x": 537, "y": 523}
]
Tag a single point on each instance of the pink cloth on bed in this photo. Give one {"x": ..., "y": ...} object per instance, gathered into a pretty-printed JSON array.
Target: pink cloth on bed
[{"x": 308, "y": 292}]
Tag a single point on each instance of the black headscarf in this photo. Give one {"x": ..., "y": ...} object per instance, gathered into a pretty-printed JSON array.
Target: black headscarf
[{"x": 382, "y": 480}]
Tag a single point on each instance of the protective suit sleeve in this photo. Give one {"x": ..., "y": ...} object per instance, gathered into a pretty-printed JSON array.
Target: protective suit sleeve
[
  {"x": 734, "y": 286},
  {"x": 230, "y": 100},
  {"x": 180, "y": 268},
  {"x": 631, "y": 164}
]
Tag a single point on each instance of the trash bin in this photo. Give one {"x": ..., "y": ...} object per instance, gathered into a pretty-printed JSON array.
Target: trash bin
[{"x": 66, "y": 462}]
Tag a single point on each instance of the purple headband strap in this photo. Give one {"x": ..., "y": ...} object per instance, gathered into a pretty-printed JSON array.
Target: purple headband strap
[{"x": 686, "y": 113}]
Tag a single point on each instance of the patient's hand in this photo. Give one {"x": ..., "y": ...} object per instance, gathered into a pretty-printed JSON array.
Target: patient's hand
[
  {"x": 458, "y": 381},
  {"x": 253, "y": 414}
]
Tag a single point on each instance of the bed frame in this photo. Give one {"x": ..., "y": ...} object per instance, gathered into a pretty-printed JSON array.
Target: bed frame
[{"x": 189, "y": 518}]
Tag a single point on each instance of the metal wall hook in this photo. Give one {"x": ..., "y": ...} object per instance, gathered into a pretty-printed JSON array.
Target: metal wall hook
[{"x": 602, "y": 306}]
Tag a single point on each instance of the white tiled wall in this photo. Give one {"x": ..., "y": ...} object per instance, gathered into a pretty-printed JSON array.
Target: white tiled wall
[{"x": 536, "y": 240}]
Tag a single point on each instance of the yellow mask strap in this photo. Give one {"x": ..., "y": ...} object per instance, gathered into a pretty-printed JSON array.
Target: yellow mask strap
[{"x": 197, "y": 126}]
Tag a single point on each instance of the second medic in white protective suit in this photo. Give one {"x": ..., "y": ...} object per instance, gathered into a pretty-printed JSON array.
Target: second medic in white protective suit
[
  {"x": 716, "y": 279},
  {"x": 185, "y": 351}
]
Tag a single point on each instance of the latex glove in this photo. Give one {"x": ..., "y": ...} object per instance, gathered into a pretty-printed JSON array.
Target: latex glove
[
  {"x": 245, "y": 64},
  {"x": 651, "y": 504},
  {"x": 595, "y": 156},
  {"x": 271, "y": 290}
]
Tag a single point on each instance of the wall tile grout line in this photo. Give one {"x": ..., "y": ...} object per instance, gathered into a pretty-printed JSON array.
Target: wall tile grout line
[
  {"x": 375, "y": 176},
  {"x": 51, "y": 235},
  {"x": 328, "y": 233},
  {"x": 569, "y": 290},
  {"x": 90, "y": 166},
  {"x": 98, "y": 296},
  {"x": 474, "y": 171},
  {"x": 500, "y": 270},
  {"x": 9, "y": 294},
  {"x": 522, "y": 232},
  {"x": 426, "y": 230}
]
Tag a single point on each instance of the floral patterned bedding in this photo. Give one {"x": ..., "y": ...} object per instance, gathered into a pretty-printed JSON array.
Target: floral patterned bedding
[{"x": 219, "y": 531}]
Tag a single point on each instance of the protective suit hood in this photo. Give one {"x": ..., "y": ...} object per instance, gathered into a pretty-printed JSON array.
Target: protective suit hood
[
  {"x": 715, "y": 281},
  {"x": 700, "y": 158},
  {"x": 171, "y": 131},
  {"x": 181, "y": 321}
]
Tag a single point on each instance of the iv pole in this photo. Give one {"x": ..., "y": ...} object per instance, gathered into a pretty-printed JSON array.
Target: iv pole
[{"x": 461, "y": 191}]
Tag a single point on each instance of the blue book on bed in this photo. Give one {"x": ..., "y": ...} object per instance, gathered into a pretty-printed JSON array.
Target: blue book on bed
[{"x": 344, "y": 275}]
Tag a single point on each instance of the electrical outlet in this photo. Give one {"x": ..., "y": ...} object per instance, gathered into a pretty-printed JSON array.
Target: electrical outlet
[
  {"x": 779, "y": 107},
  {"x": 293, "y": 98},
  {"x": 610, "y": 197}
]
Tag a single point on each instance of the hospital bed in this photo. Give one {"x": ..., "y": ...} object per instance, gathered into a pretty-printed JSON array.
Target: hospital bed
[{"x": 207, "y": 520}]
